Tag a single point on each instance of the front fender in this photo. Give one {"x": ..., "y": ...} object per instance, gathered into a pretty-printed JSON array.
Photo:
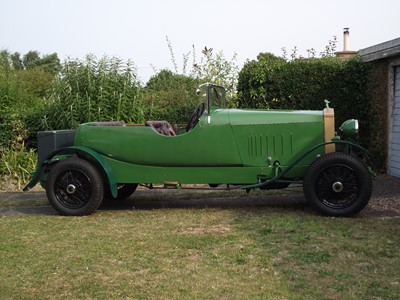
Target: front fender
[
  {"x": 79, "y": 151},
  {"x": 294, "y": 163}
]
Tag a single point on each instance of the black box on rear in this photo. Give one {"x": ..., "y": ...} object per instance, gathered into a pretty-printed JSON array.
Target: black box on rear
[{"x": 50, "y": 141}]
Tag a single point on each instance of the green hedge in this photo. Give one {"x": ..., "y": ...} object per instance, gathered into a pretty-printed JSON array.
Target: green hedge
[{"x": 273, "y": 83}]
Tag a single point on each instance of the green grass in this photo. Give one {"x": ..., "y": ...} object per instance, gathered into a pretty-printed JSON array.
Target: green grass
[{"x": 275, "y": 252}]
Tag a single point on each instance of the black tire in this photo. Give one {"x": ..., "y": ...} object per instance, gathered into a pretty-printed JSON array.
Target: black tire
[
  {"x": 74, "y": 187},
  {"x": 337, "y": 184},
  {"x": 124, "y": 191}
]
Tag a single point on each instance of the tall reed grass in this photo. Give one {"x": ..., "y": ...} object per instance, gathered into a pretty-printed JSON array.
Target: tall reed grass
[{"x": 94, "y": 90}]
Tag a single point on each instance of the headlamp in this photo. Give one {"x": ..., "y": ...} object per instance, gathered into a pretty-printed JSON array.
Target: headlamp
[{"x": 349, "y": 128}]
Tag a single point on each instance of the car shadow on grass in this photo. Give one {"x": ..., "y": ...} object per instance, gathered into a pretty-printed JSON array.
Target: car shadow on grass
[
  {"x": 294, "y": 201},
  {"x": 27, "y": 210},
  {"x": 143, "y": 201}
]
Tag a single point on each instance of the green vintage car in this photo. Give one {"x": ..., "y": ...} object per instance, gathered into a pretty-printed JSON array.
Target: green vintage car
[{"x": 243, "y": 149}]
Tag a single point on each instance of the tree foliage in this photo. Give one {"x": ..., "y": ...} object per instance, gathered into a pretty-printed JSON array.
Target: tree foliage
[
  {"x": 21, "y": 92},
  {"x": 49, "y": 63},
  {"x": 212, "y": 67},
  {"x": 215, "y": 68},
  {"x": 170, "y": 96},
  {"x": 256, "y": 88}
]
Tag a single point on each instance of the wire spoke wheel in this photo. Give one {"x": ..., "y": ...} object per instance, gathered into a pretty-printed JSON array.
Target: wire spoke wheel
[
  {"x": 337, "y": 184},
  {"x": 74, "y": 187}
]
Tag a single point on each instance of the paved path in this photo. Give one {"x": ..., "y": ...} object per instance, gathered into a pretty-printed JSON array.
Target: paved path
[{"x": 385, "y": 201}]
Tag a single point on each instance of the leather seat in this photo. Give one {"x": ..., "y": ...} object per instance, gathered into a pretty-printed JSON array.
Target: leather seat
[{"x": 162, "y": 127}]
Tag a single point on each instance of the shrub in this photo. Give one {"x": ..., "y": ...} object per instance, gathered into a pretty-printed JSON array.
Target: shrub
[
  {"x": 21, "y": 92},
  {"x": 15, "y": 166}
]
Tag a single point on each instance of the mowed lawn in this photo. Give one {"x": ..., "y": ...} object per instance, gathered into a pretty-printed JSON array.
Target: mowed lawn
[{"x": 269, "y": 252}]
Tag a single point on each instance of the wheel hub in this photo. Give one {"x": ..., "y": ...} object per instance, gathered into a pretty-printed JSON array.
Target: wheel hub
[
  {"x": 337, "y": 187},
  {"x": 70, "y": 189}
]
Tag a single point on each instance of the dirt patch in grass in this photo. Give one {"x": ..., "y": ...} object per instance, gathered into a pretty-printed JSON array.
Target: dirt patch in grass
[{"x": 217, "y": 229}]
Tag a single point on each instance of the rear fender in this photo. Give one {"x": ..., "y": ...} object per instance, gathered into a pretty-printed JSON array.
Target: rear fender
[{"x": 79, "y": 151}]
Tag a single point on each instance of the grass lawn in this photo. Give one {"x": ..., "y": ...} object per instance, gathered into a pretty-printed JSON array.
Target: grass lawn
[{"x": 271, "y": 252}]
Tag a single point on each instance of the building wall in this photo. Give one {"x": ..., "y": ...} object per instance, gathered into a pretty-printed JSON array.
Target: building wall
[
  {"x": 394, "y": 119},
  {"x": 386, "y": 56},
  {"x": 382, "y": 94}
]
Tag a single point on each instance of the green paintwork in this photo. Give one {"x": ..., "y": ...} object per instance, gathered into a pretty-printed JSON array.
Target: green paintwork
[
  {"x": 84, "y": 151},
  {"x": 235, "y": 147},
  {"x": 231, "y": 146}
]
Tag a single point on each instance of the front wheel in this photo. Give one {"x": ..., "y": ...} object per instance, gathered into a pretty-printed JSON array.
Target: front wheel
[
  {"x": 74, "y": 187},
  {"x": 337, "y": 184}
]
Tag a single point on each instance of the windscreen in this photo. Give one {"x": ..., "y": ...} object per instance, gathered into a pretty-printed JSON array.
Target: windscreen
[{"x": 217, "y": 96}]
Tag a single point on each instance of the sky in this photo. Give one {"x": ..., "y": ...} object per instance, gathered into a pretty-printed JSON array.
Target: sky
[{"x": 137, "y": 29}]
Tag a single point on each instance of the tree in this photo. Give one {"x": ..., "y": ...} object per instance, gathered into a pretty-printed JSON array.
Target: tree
[
  {"x": 257, "y": 86},
  {"x": 5, "y": 60},
  {"x": 49, "y": 63},
  {"x": 170, "y": 96},
  {"x": 17, "y": 62},
  {"x": 30, "y": 58},
  {"x": 215, "y": 68}
]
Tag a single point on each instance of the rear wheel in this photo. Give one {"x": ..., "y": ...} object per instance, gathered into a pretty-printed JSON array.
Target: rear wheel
[
  {"x": 123, "y": 191},
  {"x": 74, "y": 187},
  {"x": 337, "y": 184}
]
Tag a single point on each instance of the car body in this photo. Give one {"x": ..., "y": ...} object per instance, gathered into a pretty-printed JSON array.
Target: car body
[{"x": 242, "y": 148}]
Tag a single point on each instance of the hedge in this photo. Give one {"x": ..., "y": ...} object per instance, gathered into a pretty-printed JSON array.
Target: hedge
[{"x": 273, "y": 83}]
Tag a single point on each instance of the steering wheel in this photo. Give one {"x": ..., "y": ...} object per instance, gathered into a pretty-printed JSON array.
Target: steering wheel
[{"x": 195, "y": 117}]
